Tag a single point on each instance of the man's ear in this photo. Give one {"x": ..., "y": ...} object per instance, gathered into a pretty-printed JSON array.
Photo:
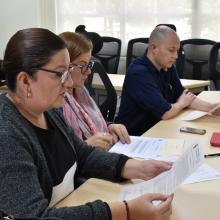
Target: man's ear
[{"x": 153, "y": 48}]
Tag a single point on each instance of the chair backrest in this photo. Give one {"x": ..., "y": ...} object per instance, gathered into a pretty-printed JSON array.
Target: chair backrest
[
  {"x": 168, "y": 25},
  {"x": 110, "y": 53},
  {"x": 214, "y": 65},
  {"x": 194, "y": 59},
  {"x": 105, "y": 98},
  {"x": 136, "y": 48}
]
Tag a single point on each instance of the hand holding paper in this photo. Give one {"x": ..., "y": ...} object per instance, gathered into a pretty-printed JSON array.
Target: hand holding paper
[
  {"x": 143, "y": 208},
  {"x": 167, "y": 182},
  {"x": 144, "y": 169}
]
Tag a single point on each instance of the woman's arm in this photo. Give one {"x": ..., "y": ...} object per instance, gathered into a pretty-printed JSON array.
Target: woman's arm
[
  {"x": 144, "y": 169},
  {"x": 23, "y": 172}
]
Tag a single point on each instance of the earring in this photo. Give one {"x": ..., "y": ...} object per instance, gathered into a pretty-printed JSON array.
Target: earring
[{"x": 28, "y": 94}]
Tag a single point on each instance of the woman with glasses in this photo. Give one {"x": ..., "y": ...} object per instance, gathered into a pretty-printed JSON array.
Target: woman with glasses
[
  {"x": 40, "y": 155},
  {"x": 80, "y": 110}
]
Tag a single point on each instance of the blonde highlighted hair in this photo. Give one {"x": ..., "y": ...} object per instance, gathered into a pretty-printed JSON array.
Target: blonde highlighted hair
[{"x": 76, "y": 44}]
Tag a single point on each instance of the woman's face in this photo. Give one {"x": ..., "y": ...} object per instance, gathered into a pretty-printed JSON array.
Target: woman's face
[
  {"x": 47, "y": 91},
  {"x": 81, "y": 71}
]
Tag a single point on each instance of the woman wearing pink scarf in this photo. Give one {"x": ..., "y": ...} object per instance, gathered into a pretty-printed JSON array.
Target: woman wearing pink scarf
[{"x": 80, "y": 110}]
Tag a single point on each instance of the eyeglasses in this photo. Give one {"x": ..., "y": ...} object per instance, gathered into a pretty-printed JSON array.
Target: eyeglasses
[
  {"x": 83, "y": 68},
  {"x": 64, "y": 75}
]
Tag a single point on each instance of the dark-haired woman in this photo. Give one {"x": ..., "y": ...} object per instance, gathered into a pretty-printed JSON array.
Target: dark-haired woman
[{"x": 40, "y": 155}]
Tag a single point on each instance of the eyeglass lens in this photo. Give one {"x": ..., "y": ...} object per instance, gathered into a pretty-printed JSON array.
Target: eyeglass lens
[
  {"x": 85, "y": 68},
  {"x": 66, "y": 74}
]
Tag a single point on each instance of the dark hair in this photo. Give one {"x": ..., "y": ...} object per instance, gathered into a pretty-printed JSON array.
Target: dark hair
[
  {"x": 96, "y": 39},
  {"x": 80, "y": 29},
  {"x": 28, "y": 50},
  {"x": 2, "y": 77}
]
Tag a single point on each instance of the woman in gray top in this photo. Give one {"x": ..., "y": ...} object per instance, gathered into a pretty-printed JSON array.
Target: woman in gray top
[{"x": 40, "y": 155}]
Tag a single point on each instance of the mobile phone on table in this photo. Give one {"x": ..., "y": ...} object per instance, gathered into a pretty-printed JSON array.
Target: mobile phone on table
[{"x": 193, "y": 130}]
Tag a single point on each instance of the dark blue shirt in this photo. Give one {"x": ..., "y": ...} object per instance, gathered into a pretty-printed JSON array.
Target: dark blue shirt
[{"x": 147, "y": 94}]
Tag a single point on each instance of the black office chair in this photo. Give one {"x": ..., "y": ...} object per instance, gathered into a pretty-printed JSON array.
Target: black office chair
[
  {"x": 109, "y": 55},
  {"x": 214, "y": 65},
  {"x": 169, "y": 25},
  {"x": 2, "y": 77},
  {"x": 93, "y": 36},
  {"x": 192, "y": 62},
  {"x": 105, "y": 98},
  {"x": 136, "y": 48}
]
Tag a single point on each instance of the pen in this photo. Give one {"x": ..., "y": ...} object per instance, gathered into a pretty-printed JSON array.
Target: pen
[{"x": 212, "y": 155}]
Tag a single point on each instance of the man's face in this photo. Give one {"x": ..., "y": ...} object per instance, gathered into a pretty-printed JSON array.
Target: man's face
[{"x": 166, "y": 53}]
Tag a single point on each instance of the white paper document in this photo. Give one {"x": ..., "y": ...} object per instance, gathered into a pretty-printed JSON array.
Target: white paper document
[
  {"x": 203, "y": 173},
  {"x": 142, "y": 147},
  {"x": 149, "y": 148},
  {"x": 215, "y": 112},
  {"x": 167, "y": 182},
  {"x": 194, "y": 115}
]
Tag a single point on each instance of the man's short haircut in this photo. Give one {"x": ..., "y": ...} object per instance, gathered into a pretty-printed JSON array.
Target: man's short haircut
[{"x": 159, "y": 33}]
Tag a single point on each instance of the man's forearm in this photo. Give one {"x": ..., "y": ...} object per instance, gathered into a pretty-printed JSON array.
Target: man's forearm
[
  {"x": 174, "y": 110},
  {"x": 201, "y": 105}
]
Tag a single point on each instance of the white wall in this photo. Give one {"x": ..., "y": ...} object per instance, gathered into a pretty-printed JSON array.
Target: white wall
[{"x": 16, "y": 15}]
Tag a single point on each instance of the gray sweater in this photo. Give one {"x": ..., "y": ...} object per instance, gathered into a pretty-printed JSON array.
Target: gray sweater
[{"x": 24, "y": 170}]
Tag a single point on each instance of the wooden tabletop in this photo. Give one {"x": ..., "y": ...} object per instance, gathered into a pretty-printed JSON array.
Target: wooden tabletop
[
  {"x": 118, "y": 80},
  {"x": 199, "y": 201}
]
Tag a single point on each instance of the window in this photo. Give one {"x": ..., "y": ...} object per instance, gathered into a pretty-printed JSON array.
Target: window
[{"x": 131, "y": 19}]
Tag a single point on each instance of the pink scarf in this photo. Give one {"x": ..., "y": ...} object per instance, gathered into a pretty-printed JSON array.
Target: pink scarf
[{"x": 83, "y": 115}]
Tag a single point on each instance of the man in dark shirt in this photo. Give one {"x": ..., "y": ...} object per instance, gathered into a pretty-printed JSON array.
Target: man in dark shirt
[{"x": 152, "y": 89}]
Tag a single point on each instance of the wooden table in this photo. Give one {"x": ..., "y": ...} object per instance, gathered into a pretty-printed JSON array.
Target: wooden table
[
  {"x": 199, "y": 201},
  {"x": 195, "y": 201},
  {"x": 118, "y": 80}
]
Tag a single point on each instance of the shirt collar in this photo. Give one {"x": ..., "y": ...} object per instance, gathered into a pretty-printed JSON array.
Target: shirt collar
[{"x": 152, "y": 67}]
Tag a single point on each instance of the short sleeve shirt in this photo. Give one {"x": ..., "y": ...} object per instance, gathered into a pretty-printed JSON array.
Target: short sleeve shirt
[{"x": 147, "y": 94}]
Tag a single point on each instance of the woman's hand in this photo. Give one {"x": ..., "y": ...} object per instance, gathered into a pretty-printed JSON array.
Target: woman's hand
[
  {"x": 142, "y": 208},
  {"x": 119, "y": 131},
  {"x": 144, "y": 169},
  {"x": 102, "y": 140}
]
